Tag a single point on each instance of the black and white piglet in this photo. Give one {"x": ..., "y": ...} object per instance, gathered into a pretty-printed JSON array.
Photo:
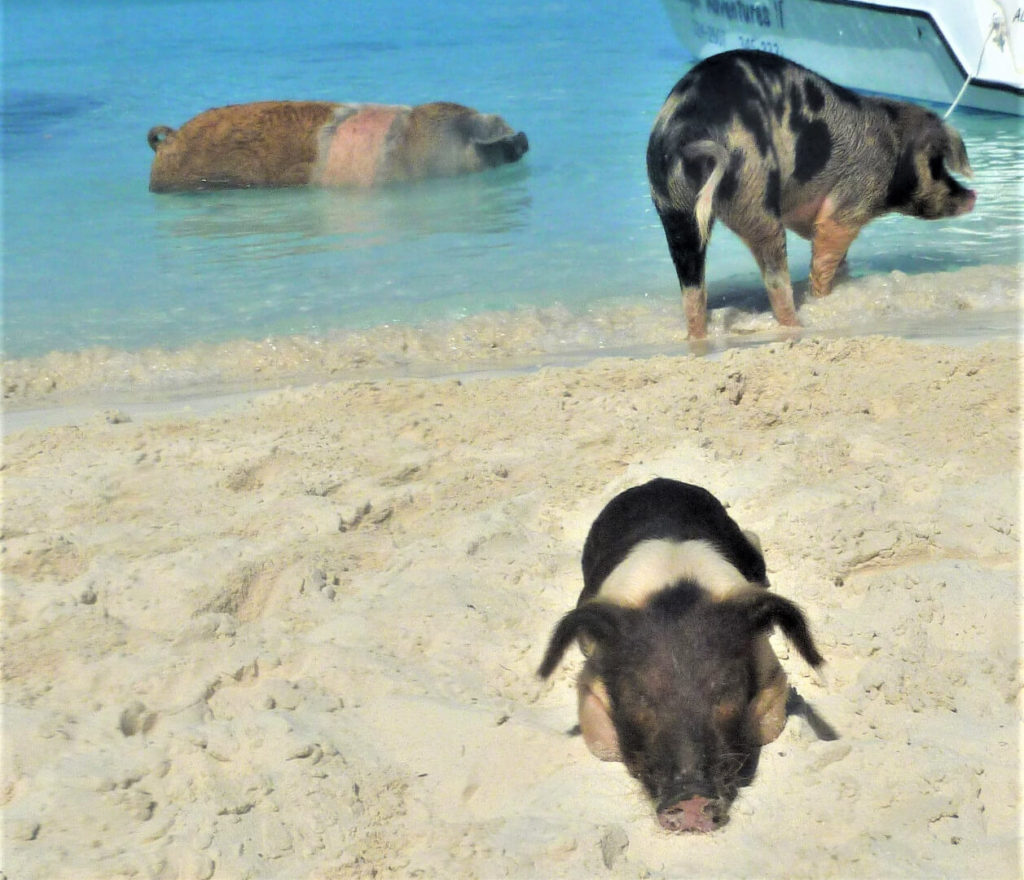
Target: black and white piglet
[{"x": 681, "y": 682}]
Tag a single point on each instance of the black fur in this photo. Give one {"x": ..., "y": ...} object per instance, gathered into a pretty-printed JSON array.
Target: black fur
[
  {"x": 773, "y": 194},
  {"x": 731, "y": 179},
  {"x": 903, "y": 183},
  {"x": 684, "y": 246},
  {"x": 813, "y": 150},
  {"x": 815, "y": 96}
]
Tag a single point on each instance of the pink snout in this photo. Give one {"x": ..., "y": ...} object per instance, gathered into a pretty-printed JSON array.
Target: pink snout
[
  {"x": 968, "y": 204},
  {"x": 690, "y": 815}
]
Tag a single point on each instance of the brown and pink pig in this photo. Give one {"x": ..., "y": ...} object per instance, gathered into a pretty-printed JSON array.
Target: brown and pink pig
[{"x": 319, "y": 143}]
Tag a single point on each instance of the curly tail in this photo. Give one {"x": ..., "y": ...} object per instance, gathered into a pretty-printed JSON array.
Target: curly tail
[
  {"x": 719, "y": 157},
  {"x": 157, "y": 135}
]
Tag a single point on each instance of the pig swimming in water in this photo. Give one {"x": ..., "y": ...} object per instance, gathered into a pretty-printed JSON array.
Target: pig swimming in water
[
  {"x": 765, "y": 145},
  {"x": 681, "y": 682},
  {"x": 295, "y": 143}
]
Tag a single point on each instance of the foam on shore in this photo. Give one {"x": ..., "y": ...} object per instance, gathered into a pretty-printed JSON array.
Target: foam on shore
[{"x": 976, "y": 302}]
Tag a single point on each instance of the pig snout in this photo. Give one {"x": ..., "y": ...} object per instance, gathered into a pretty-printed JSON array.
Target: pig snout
[
  {"x": 695, "y": 813},
  {"x": 690, "y": 805},
  {"x": 966, "y": 204},
  {"x": 519, "y": 146}
]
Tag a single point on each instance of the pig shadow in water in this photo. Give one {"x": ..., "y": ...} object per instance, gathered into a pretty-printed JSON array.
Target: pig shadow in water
[{"x": 282, "y": 222}]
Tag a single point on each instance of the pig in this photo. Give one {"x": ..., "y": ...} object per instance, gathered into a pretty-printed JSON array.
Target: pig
[
  {"x": 765, "y": 145},
  {"x": 680, "y": 681},
  {"x": 298, "y": 143}
]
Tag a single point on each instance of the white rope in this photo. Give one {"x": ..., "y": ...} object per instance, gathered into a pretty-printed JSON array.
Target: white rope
[{"x": 997, "y": 28}]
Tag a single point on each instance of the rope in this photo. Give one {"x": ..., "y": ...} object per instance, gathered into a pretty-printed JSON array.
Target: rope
[{"x": 997, "y": 28}]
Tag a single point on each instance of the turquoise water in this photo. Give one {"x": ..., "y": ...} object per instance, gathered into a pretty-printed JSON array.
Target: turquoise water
[{"x": 91, "y": 258}]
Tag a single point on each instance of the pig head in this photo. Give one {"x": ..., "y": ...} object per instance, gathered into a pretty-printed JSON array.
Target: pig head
[
  {"x": 920, "y": 185},
  {"x": 444, "y": 139},
  {"x": 766, "y": 145},
  {"x": 679, "y": 680},
  {"x": 298, "y": 143}
]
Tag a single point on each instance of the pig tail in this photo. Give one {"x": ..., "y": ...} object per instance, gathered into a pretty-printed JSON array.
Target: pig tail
[{"x": 705, "y": 197}]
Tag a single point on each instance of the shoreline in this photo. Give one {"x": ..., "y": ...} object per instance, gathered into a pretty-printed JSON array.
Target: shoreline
[
  {"x": 987, "y": 305},
  {"x": 201, "y": 401}
]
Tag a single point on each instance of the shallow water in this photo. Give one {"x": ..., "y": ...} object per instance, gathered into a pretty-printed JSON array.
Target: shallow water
[{"x": 91, "y": 258}]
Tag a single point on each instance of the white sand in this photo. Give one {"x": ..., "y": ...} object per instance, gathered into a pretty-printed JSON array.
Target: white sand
[{"x": 297, "y": 637}]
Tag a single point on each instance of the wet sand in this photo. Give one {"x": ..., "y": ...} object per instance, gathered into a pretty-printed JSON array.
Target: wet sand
[
  {"x": 978, "y": 302},
  {"x": 296, "y": 635}
]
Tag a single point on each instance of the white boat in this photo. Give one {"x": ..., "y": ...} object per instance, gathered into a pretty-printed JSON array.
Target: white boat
[{"x": 967, "y": 52}]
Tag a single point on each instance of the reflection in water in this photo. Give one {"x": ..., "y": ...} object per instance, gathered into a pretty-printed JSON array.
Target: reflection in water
[
  {"x": 997, "y": 157},
  {"x": 272, "y": 224}
]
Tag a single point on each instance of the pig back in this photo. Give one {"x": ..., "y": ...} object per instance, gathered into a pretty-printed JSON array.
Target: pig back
[
  {"x": 787, "y": 131},
  {"x": 664, "y": 509},
  {"x": 354, "y": 146},
  {"x": 267, "y": 143}
]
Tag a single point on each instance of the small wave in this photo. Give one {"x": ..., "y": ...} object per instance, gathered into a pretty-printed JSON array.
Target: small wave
[{"x": 971, "y": 303}]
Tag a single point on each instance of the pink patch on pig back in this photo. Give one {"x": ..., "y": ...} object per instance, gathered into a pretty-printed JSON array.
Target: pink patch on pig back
[{"x": 356, "y": 147}]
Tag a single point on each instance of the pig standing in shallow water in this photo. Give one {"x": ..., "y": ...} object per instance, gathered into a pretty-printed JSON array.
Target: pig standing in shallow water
[
  {"x": 680, "y": 682},
  {"x": 766, "y": 145},
  {"x": 294, "y": 143}
]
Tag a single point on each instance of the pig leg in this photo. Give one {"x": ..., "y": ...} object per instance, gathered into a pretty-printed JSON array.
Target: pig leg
[
  {"x": 767, "y": 243},
  {"x": 767, "y": 712},
  {"x": 595, "y": 719},
  {"x": 828, "y": 251},
  {"x": 688, "y": 255}
]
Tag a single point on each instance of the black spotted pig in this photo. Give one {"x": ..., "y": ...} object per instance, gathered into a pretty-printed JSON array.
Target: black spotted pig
[
  {"x": 765, "y": 144},
  {"x": 680, "y": 681}
]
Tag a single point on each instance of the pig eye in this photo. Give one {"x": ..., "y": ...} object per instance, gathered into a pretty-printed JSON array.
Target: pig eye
[
  {"x": 727, "y": 711},
  {"x": 935, "y": 167}
]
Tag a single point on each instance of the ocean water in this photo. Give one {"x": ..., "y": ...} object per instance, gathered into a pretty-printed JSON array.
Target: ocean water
[{"x": 92, "y": 259}]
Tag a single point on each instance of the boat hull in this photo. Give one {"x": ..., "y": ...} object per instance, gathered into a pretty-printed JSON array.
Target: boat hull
[{"x": 923, "y": 54}]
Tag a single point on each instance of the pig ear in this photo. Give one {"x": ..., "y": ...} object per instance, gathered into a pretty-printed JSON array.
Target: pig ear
[
  {"x": 955, "y": 153},
  {"x": 502, "y": 150},
  {"x": 766, "y": 610},
  {"x": 600, "y": 621}
]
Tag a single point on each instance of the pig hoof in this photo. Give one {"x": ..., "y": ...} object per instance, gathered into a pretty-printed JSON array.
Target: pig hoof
[{"x": 695, "y": 814}]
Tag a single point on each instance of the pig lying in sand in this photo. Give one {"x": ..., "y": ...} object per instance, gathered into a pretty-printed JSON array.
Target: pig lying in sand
[
  {"x": 680, "y": 681},
  {"x": 766, "y": 145},
  {"x": 294, "y": 143}
]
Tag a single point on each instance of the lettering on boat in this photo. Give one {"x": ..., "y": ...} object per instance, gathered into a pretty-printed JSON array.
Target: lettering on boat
[{"x": 761, "y": 13}]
